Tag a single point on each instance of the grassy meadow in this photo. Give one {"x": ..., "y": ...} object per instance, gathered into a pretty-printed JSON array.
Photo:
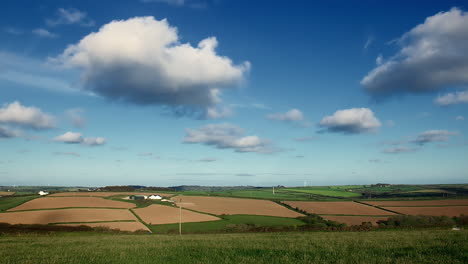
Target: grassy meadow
[{"x": 390, "y": 246}]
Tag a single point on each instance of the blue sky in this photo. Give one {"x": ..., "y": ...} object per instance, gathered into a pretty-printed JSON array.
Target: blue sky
[{"x": 170, "y": 92}]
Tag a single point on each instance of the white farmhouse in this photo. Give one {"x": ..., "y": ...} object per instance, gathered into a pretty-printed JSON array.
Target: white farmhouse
[
  {"x": 43, "y": 193},
  {"x": 154, "y": 197}
]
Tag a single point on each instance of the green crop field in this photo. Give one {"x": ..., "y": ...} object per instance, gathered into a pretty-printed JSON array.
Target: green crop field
[
  {"x": 397, "y": 246},
  {"x": 325, "y": 191},
  {"x": 226, "y": 222},
  {"x": 7, "y": 202}
]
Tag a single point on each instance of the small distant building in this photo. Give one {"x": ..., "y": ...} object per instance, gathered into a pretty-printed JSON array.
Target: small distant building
[
  {"x": 42, "y": 193},
  {"x": 154, "y": 197},
  {"x": 138, "y": 197},
  {"x": 166, "y": 200}
]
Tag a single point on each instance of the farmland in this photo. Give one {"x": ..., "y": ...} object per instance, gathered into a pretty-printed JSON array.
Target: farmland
[
  {"x": 419, "y": 246},
  {"x": 436, "y": 211},
  {"x": 337, "y": 208},
  {"x": 66, "y": 216},
  {"x": 67, "y": 202},
  {"x": 119, "y": 225},
  {"x": 159, "y": 214},
  {"x": 419, "y": 203},
  {"x": 219, "y": 206},
  {"x": 107, "y": 194}
]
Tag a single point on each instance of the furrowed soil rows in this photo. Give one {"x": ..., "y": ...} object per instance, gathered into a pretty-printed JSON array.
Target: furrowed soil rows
[
  {"x": 338, "y": 208},
  {"x": 122, "y": 226},
  {"x": 65, "y": 202},
  {"x": 417, "y": 203},
  {"x": 65, "y": 216},
  {"x": 232, "y": 206},
  {"x": 353, "y": 220},
  {"x": 107, "y": 194},
  {"x": 160, "y": 214},
  {"x": 435, "y": 211}
]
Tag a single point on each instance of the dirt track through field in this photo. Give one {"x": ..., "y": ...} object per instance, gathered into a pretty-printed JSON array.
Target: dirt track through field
[
  {"x": 160, "y": 214},
  {"x": 66, "y": 215},
  {"x": 435, "y": 211},
  {"x": 354, "y": 220},
  {"x": 107, "y": 194},
  {"x": 418, "y": 203},
  {"x": 232, "y": 206},
  {"x": 343, "y": 208},
  {"x": 65, "y": 202},
  {"x": 122, "y": 226}
]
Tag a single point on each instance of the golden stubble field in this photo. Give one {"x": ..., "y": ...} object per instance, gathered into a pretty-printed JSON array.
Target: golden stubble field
[
  {"x": 161, "y": 214},
  {"x": 337, "y": 208},
  {"x": 418, "y": 203},
  {"x": 67, "y": 202},
  {"x": 66, "y": 216},
  {"x": 232, "y": 206},
  {"x": 435, "y": 211}
]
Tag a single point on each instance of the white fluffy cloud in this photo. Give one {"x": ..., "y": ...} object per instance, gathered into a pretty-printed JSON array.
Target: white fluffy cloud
[
  {"x": 351, "y": 121},
  {"x": 28, "y": 117},
  {"x": 290, "y": 116},
  {"x": 141, "y": 60},
  {"x": 77, "y": 138},
  {"x": 225, "y": 136},
  {"x": 433, "y": 136},
  {"x": 452, "y": 98},
  {"x": 433, "y": 56}
]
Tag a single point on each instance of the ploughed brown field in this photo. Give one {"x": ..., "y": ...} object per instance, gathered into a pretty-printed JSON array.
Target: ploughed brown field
[
  {"x": 122, "y": 226},
  {"x": 107, "y": 194},
  {"x": 6, "y": 193},
  {"x": 435, "y": 211},
  {"x": 231, "y": 206},
  {"x": 160, "y": 214},
  {"x": 66, "y": 216},
  {"x": 339, "y": 208},
  {"x": 353, "y": 220},
  {"x": 65, "y": 202},
  {"x": 418, "y": 203}
]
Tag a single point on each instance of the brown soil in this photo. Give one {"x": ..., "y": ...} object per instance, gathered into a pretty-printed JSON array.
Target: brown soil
[
  {"x": 159, "y": 214},
  {"x": 232, "y": 206},
  {"x": 65, "y": 202},
  {"x": 122, "y": 226},
  {"x": 435, "y": 211},
  {"x": 417, "y": 203},
  {"x": 108, "y": 194},
  {"x": 65, "y": 215},
  {"x": 344, "y": 208},
  {"x": 354, "y": 220},
  {"x": 6, "y": 193}
]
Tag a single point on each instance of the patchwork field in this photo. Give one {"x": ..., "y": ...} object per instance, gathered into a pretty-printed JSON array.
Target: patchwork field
[
  {"x": 66, "y": 202},
  {"x": 338, "y": 208},
  {"x": 435, "y": 211},
  {"x": 122, "y": 226},
  {"x": 353, "y": 220},
  {"x": 418, "y": 203},
  {"x": 107, "y": 194},
  {"x": 230, "y": 206},
  {"x": 160, "y": 214},
  {"x": 66, "y": 216}
]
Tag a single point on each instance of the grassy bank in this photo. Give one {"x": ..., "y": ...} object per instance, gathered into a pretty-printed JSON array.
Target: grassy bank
[{"x": 423, "y": 246}]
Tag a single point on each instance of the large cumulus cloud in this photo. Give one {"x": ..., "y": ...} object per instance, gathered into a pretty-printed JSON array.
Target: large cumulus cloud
[
  {"x": 141, "y": 60},
  {"x": 433, "y": 56}
]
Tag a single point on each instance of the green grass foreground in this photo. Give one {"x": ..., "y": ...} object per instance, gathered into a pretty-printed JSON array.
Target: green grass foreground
[{"x": 396, "y": 246}]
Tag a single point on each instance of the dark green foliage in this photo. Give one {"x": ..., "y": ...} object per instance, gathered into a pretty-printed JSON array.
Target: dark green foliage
[{"x": 417, "y": 220}]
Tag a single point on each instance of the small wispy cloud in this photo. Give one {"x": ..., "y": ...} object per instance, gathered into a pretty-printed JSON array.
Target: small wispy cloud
[
  {"x": 74, "y": 154},
  {"x": 68, "y": 16},
  {"x": 41, "y": 32}
]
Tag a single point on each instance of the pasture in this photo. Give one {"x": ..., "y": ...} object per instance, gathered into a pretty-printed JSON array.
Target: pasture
[{"x": 391, "y": 246}]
